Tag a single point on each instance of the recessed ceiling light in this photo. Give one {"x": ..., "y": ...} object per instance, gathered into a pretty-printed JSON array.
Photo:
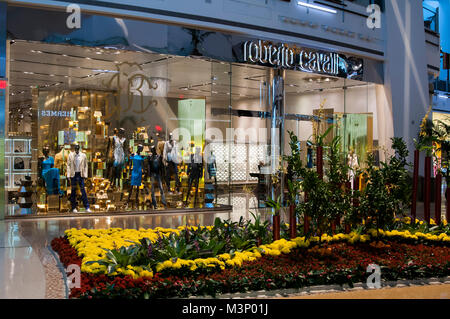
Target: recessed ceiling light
[{"x": 317, "y": 7}]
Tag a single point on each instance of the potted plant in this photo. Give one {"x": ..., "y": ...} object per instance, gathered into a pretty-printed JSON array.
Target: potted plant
[
  {"x": 294, "y": 165},
  {"x": 442, "y": 146},
  {"x": 425, "y": 143}
]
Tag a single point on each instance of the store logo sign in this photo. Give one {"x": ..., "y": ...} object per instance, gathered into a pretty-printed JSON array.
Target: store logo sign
[
  {"x": 49, "y": 113},
  {"x": 291, "y": 58}
]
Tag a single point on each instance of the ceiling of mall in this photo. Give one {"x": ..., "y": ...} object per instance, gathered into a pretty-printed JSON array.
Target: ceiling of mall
[{"x": 54, "y": 66}]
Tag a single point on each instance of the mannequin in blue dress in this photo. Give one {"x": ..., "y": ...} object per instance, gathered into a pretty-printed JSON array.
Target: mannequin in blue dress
[
  {"x": 136, "y": 172},
  {"x": 50, "y": 174}
]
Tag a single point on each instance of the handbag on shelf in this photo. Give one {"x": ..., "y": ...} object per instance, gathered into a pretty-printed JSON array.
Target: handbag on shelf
[{"x": 19, "y": 163}]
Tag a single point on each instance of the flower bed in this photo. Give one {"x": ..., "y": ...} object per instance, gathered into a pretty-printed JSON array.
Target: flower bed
[{"x": 296, "y": 263}]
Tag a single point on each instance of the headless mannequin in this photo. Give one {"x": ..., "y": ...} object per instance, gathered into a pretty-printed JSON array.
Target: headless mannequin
[
  {"x": 170, "y": 157},
  {"x": 212, "y": 167},
  {"x": 136, "y": 172},
  {"x": 119, "y": 154},
  {"x": 60, "y": 159},
  {"x": 195, "y": 172},
  {"x": 110, "y": 157},
  {"x": 155, "y": 169},
  {"x": 309, "y": 156},
  {"x": 49, "y": 173},
  {"x": 353, "y": 165}
]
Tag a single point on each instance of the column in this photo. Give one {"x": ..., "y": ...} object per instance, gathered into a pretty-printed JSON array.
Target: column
[
  {"x": 277, "y": 77},
  {"x": 444, "y": 30},
  {"x": 3, "y": 96}
]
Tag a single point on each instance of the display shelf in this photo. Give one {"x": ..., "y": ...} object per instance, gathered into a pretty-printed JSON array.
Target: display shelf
[{"x": 17, "y": 161}]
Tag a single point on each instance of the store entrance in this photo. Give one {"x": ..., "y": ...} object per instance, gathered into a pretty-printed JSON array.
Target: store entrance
[{"x": 317, "y": 104}]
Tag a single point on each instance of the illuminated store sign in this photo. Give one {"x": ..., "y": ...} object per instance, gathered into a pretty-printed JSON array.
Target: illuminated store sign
[
  {"x": 289, "y": 58},
  {"x": 301, "y": 59},
  {"x": 49, "y": 113}
]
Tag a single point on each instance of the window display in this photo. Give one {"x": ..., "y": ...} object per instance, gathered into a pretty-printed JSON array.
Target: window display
[
  {"x": 77, "y": 171},
  {"x": 171, "y": 159},
  {"x": 49, "y": 173},
  {"x": 156, "y": 171},
  {"x": 161, "y": 132}
]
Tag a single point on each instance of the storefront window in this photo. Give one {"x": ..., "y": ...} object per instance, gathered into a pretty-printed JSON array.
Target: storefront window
[
  {"x": 314, "y": 103},
  {"x": 128, "y": 131},
  {"x": 104, "y": 129}
]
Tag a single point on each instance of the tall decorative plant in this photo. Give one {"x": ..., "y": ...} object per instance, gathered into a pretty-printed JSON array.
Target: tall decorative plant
[
  {"x": 387, "y": 192},
  {"x": 425, "y": 143}
]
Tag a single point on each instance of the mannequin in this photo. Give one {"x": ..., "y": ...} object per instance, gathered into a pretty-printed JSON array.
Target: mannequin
[
  {"x": 119, "y": 153},
  {"x": 352, "y": 162},
  {"x": 77, "y": 171},
  {"x": 155, "y": 169},
  {"x": 60, "y": 159},
  {"x": 309, "y": 155},
  {"x": 50, "y": 174},
  {"x": 170, "y": 158},
  {"x": 136, "y": 172},
  {"x": 110, "y": 156},
  {"x": 195, "y": 172},
  {"x": 212, "y": 167}
]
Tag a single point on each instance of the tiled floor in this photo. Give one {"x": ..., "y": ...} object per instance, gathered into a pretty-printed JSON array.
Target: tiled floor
[
  {"x": 28, "y": 269},
  {"x": 416, "y": 292}
]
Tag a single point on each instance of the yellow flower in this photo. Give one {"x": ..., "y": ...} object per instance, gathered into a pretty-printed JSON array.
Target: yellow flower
[{"x": 274, "y": 252}]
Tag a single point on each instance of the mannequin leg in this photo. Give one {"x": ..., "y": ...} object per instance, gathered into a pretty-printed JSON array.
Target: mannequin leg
[
  {"x": 189, "y": 190},
  {"x": 58, "y": 185},
  {"x": 83, "y": 193},
  {"x": 163, "y": 198},
  {"x": 137, "y": 196},
  {"x": 119, "y": 174},
  {"x": 129, "y": 197},
  {"x": 168, "y": 176},
  {"x": 73, "y": 194},
  {"x": 152, "y": 179},
  {"x": 114, "y": 175},
  {"x": 196, "y": 190},
  {"x": 177, "y": 180}
]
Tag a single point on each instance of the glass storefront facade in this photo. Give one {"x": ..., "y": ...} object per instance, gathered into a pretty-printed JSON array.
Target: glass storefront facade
[{"x": 151, "y": 116}]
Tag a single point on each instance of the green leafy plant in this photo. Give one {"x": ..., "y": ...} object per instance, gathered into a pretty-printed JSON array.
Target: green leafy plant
[
  {"x": 388, "y": 191},
  {"x": 277, "y": 205}
]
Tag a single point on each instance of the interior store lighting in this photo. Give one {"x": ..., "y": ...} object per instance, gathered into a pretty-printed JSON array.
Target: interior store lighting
[{"x": 317, "y": 7}]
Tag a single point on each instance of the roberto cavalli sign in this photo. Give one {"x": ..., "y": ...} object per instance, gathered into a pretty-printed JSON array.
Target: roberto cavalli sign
[{"x": 301, "y": 59}]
